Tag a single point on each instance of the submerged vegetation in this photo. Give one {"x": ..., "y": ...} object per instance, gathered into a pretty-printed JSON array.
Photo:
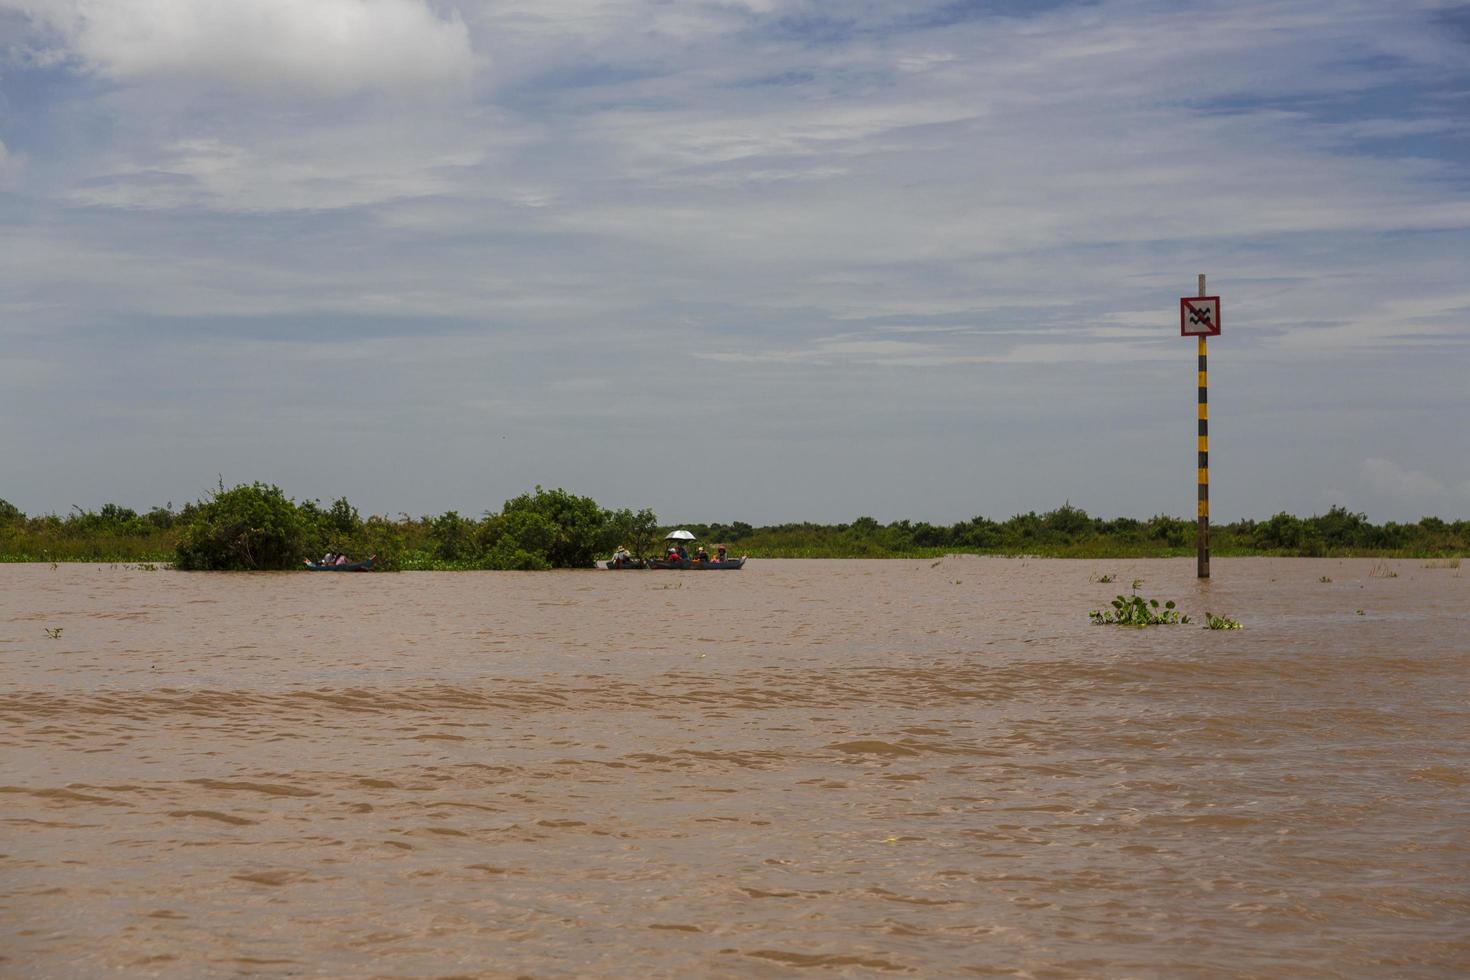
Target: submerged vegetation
[{"x": 256, "y": 525}]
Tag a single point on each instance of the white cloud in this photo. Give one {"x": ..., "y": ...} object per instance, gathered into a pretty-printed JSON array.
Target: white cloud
[
  {"x": 292, "y": 171},
  {"x": 1401, "y": 322},
  {"x": 320, "y": 47}
]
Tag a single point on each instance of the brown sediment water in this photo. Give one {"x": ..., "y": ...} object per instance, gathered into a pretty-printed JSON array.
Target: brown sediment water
[{"x": 842, "y": 768}]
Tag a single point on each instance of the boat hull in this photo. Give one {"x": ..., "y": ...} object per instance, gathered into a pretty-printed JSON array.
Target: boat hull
[
  {"x": 728, "y": 565},
  {"x": 357, "y": 566}
]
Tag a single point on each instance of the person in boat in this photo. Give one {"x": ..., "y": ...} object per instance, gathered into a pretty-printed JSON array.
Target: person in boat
[
  {"x": 343, "y": 560},
  {"x": 720, "y": 553},
  {"x": 328, "y": 559},
  {"x": 700, "y": 554},
  {"x": 621, "y": 556},
  {"x": 681, "y": 551}
]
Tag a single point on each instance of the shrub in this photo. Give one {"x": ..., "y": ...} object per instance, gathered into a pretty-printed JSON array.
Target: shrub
[
  {"x": 343, "y": 519},
  {"x": 162, "y": 518},
  {"x": 578, "y": 528},
  {"x": 1341, "y": 528},
  {"x": 978, "y": 532},
  {"x": 248, "y": 528},
  {"x": 1283, "y": 532},
  {"x": 637, "y": 531},
  {"x": 525, "y": 542},
  {"x": 1068, "y": 521},
  {"x": 926, "y": 535},
  {"x": 382, "y": 537},
  {"x": 453, "y": 537}
]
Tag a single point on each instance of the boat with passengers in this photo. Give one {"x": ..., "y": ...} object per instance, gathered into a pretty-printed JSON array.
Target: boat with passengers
[
  {"x": 677, "y": 556},
  {"x": 336, "y": 565}
]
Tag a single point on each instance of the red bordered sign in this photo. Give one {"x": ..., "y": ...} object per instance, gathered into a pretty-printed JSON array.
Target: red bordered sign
[{"x": 1199, "y": 316}]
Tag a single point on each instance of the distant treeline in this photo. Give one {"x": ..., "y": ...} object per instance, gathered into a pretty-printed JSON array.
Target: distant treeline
[
  {"x": 257, "y": 527},
  {"x": 1069, "y": 532},
  {"x": 254, "y": 526}
]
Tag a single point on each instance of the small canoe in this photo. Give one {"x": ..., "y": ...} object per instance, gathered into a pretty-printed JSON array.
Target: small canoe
[
  {"x": 728, "y": 565},
  {"x": 624, "y": 566},
  {"x": 357, "y": 566}
]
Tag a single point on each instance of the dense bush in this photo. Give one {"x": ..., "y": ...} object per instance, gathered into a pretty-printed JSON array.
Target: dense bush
[
  {"x": 562, "y": 529},
  {"x": 380, "y": 537},
  {"x": 454, "y": 537},
  {"x": 521, "y": 540},
  {"x": 248, "y": 528},
  {"x": 537, "y": 530},
  {"x": 638, "y": 531}
]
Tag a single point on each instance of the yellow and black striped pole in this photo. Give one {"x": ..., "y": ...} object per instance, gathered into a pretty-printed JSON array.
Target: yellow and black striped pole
[{"x": 1202, "y": 538}]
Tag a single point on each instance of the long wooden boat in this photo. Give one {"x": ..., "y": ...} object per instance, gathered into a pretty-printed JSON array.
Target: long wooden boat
[
  {"x": 357, "y": 566},
  {"x": 728, "y": 565}
]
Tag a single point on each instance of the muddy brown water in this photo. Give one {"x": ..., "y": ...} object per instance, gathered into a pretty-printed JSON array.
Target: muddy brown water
[{"x": 839, "y": 768}]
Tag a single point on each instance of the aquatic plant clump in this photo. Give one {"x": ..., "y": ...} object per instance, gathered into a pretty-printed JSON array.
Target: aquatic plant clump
[
  {"x": 1213, "y": 622},
  {"x": 1135, "y": 610}
]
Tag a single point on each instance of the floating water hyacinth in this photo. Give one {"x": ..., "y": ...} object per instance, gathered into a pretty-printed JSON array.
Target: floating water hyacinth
[
  {"x": 1213, "y": 622},
  {"x": 1135, "y": 610}
]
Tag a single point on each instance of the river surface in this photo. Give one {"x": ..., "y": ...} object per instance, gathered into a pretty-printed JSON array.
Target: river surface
[{"x": 805, "y": 768}]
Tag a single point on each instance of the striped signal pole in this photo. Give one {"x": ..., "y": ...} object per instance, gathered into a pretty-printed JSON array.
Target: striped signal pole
[
  {"x": 1199, "y": 317},
  {"x": 1202, "y": 536}
]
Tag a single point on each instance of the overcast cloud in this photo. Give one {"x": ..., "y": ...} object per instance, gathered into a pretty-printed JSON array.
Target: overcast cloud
[{"x": 766, "y": 260}]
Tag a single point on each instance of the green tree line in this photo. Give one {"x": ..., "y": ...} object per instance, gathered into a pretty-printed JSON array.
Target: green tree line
[
  {"x": 256, "y": 525},
  {"x": 1069, "y": 532}
]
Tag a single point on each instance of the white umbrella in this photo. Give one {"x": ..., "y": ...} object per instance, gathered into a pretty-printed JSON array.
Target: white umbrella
[{"x": 679, "y": 535}]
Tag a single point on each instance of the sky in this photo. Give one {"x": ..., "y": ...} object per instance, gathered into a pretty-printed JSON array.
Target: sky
[{"x": 761, "y": 260}]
